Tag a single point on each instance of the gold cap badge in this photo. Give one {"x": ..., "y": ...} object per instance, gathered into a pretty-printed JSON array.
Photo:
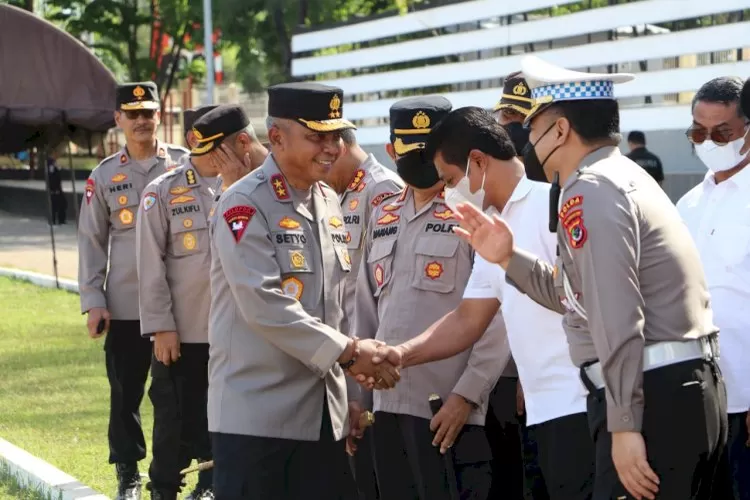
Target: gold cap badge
[
  {"x": 335, "y": 106},
  {"x": 421, "y": 120},
  {"x": 520, "y": 89},
  {"x": 138, "y": 92}
]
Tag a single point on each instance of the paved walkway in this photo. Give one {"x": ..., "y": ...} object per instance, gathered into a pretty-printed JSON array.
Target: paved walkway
[{"x": 25, "y": 244}]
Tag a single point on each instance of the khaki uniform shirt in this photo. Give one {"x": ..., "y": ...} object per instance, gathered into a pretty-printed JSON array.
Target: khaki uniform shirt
[
  {"x": 107, "y": 275},
  {"x": 414, "y": 271},
  {"x": 173, "y": 254},
  {"x": 632, "y": 270},
  {"x": 372, "y": 184},
  {"x": 277, "y": 273}
]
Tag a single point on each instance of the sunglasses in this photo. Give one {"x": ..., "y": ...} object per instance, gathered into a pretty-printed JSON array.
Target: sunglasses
[
  {"x": 698, "y": 135},
  {"x": 133, "y": 114}
]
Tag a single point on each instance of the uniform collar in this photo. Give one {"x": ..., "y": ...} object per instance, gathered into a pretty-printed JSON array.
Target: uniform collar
[
  {"x": 161, "y": 153},
  {"x": 741, "y": 179}
]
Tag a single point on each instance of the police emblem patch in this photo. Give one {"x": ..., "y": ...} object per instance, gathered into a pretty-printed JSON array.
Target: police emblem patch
[
  {"x": 89, "y": 191},
  {"x": 149, "y": 200},
  {"x": 571, "y": 217},
  {"x": 126, "y": 217},
  {"x": 391, "y": 207},
  {"x": 189, "y": 241},
  {"x": 297, "y": 259},
  {"x": 119, "y": 177},
  {"x": 292, "y": 287},
  {"x": 353, "y": 204},
  {"x": 379, "y": 275},
  {"x": 187, "y": 223},
  {"x": 433, "y": 270},
  {"x": 123, "y": 199},
  {"x": 237, "y": 218}
]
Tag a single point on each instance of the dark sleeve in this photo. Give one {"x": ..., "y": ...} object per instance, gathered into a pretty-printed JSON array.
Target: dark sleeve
[{"x": 659, "y": 171}]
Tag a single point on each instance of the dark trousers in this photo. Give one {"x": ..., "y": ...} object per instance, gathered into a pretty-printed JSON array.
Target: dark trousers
[
  {"x": 684, "y": 428},
  {"x": 363, "y": 467},
  {"x": 59, "y": 207},
  {"x": 254, "y": 468},
  {"x": 128, "y": 357},
  {"x": 179, "y": 395},
  {"x": 410, "y": 468},
  {"x": 737, "y": 461},
  {"x": 504, "y": 429},
  {"x": 566, "y": 456}
]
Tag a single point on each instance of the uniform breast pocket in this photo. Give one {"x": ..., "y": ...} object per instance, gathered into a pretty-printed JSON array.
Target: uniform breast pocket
[
  {"x": 435, "y": 267},
  {"x": 189, "y": 235},
  {"x": 123, "y": 208},
  {"x": 380, "y": 263}
]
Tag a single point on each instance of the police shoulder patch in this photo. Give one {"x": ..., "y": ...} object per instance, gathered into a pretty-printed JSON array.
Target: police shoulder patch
[
  {"x": 89, "y": 190},
  {"x": 149, "y": 200},
  {"x": 571, "y": 218},
  {"x": 238, "y": 218},
  {"x": 377, "y": 200}
]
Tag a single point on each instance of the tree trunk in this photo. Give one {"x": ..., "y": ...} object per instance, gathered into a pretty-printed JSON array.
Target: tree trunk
[
  {"x": 285, "y": 45},
  {"x": 178, "y": 45},
  {"x": 29, "y": 5},
  {"x": 303, "y": 8}
]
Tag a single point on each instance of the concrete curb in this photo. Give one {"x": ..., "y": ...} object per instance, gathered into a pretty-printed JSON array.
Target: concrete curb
[
  {"x": 36, "y": 473},
  {"x": 39, "y": 279}
]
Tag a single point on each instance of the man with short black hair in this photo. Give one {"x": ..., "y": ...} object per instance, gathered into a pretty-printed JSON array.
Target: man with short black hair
[
  {"x": 647, "y": 160},
  {"x": 472, "y": 151},
  {"x": 716, "y": 213}
]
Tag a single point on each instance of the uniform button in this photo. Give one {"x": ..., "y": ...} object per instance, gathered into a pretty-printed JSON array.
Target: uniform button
[
  {"x": 626, "y": 418},
  {"x": 260, "y": 175}
]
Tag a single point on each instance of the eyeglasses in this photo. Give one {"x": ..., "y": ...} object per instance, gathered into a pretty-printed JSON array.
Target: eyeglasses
[
  {"x": 133, "y": 114},
  {"x": 720, "y": 137}
]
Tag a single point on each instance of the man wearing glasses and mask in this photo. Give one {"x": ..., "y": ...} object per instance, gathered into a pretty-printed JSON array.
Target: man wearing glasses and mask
[
  {"x": 717, "y": 213},
  {"x": 107, "y": 273}
]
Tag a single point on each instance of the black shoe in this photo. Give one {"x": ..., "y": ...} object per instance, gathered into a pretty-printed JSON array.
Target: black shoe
[
  {"x": 129, "y": 482},
  {"x": 204, "y": 488},
  {"x": 163, "y": 495}
]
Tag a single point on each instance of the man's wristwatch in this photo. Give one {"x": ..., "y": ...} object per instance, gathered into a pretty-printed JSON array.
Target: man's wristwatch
[{"x": 355, "y": 355}]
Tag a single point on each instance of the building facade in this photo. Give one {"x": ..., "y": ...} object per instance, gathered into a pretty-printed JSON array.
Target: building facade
[{"x": 464, "y": 49}]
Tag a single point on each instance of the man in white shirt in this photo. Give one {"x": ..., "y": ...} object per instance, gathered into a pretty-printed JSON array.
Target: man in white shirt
[
  {"x": 476, "y": 159},
  {"x": 717, "y": 213}
]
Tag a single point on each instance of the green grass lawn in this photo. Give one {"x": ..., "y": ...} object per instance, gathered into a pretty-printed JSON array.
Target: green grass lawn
[{"x": 54, "y": 396}]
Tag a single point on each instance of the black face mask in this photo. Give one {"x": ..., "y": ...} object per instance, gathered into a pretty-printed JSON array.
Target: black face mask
[
  {"x": 417, "y": 172},
  {"x": 519, "y": 135},
  {"x": 534, "y": 167}
]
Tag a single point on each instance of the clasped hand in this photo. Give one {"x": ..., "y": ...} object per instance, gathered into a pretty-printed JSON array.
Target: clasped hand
[{"x": 375, "y": 367}]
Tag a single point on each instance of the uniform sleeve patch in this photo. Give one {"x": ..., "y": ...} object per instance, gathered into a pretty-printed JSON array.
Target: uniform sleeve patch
[
  {"x": 292, "y": 287},
  {"x": 571, "y": 218},
  {"x": 237, "y": 219},
  {"x": 149, "y": 200},
  {"x": 89, "y": 190},
  {"x": 379, "y": 198}
]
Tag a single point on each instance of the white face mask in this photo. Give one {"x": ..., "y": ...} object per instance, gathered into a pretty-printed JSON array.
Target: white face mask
[
  {"x": 720, "y": 158},
  {"x": 462, "y": 192}
]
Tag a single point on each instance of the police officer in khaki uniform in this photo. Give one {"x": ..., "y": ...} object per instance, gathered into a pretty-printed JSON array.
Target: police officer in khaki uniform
[
  {"x": 414, "y": 271},
  {"x": 107, "y": 269},
  {"x": 174, "y": 259},
  {"x": 277, "y": 399},
  {"x": 630, "y": 284},
  {"x": 362, "y": 184}
]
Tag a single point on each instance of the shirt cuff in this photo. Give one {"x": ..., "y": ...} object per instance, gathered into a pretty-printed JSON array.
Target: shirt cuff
[
  {"x": 479, "y": 293},
  {"x": 327, "y": 354},
  {"x": 473, "y": 387},
  {"x": 90, "y": 300},
  {"x": 149, "y": 328},
  {"x": 624, "y": 418}
]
